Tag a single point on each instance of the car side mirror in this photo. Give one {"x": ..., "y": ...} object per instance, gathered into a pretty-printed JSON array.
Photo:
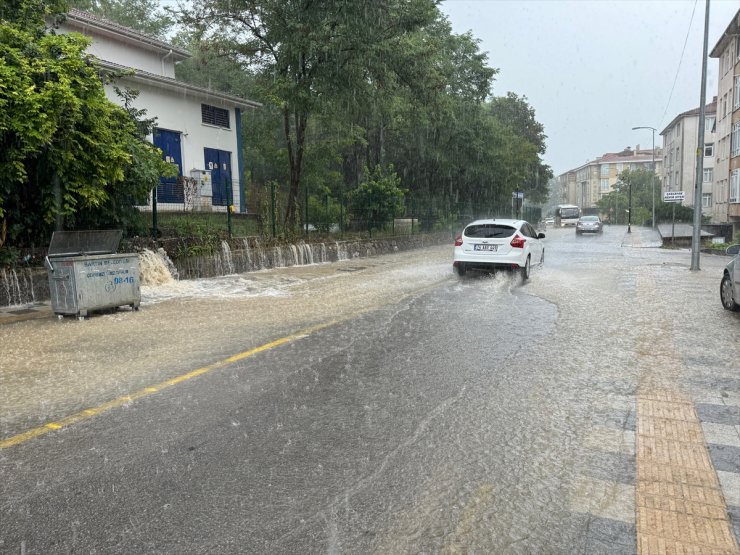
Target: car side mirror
[
  {"x": 733, "y": 249},
  {"x": 542, "y": 236}
]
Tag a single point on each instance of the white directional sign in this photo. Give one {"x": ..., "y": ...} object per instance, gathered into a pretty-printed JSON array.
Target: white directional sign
[{"x": 673, "y": 196}]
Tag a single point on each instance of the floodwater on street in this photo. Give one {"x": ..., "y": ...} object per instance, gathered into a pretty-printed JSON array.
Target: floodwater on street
[{"x": 406, "y": 410}]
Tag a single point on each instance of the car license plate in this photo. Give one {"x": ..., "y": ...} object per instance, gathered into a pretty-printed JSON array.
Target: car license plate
[{"x": 491, "y": 248}]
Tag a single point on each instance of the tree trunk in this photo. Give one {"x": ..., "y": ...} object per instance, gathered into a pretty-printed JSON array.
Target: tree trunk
[{"x": 296, "y": 148}]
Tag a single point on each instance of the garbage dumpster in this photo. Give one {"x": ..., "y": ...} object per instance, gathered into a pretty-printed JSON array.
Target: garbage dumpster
[{"x": 85, "y": 274}]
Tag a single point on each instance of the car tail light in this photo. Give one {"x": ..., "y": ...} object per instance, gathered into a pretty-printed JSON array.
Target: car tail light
[
  {"x": 458, "y": 241},
  {"x": 518, "y": 242}
]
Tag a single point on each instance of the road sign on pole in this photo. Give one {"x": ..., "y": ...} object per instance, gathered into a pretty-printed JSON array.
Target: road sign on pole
[{"x": 674, "y": 196}]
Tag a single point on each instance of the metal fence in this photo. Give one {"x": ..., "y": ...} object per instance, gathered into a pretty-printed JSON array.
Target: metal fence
[{"x": 316, "y": 216}]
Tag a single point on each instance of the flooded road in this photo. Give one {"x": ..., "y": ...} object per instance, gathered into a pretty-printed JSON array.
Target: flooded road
[{"x": 375, "y": 405}]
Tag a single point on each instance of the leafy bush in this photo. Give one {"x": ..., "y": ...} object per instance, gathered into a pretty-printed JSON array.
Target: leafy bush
[{"x": 379, "y": 198}]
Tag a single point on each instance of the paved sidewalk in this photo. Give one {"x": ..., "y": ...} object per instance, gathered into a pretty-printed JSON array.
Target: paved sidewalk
[
  {"x": 642, "y": 237},
  {"x": 20, "y": 313}
]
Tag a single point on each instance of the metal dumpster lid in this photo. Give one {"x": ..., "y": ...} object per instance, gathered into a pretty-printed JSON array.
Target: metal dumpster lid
[{"x": 80, "y": 243}]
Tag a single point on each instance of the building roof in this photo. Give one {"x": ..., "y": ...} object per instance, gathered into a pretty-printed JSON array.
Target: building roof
[
  {"x": 181, "y": 86},
  {"x": 732, "y": 29},
  {"x": 627, "y": 156},
  {"x": 710, "y": 108},
  {"x": 80, "y": 19}
]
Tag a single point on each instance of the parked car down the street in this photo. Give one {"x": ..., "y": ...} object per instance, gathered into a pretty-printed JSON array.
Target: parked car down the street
[
  {"x": 589, "y": 224},
  {"x": 729, "y": 289},
  {"x": 498, "y": 244}
]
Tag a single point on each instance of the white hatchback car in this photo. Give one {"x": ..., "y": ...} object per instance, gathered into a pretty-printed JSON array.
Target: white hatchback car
[
  {"x": 729, "y": 289},
  {"x": 496, "y": 244}
]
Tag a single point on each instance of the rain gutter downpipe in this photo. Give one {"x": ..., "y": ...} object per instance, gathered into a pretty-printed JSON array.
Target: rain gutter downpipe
[
  {"x": 164, "y": 58},
  {"x": 240, "y": 161}
]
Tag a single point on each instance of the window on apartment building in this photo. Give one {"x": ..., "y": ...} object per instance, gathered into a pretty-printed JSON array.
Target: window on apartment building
[
  {"x": 709, "y": 150},
  {"x": 709, "y": 124},
  {"x": 706, "y": 200},
  {"x": 708, "y": 175},
  {"x": 678, "y": 154},
  {"x": 735, "y": 139},
  {"x": 213, "y": 115},
  {"x": 668, "y": 182},
  {"x": 604, "y": 185},
  {"x": 737, "y": 89},
  {"x": 604, "y": 170},
  {"x": 735, "y": 186},
  {"x": 620, "y": 167},
  {"x": 633, "y": 166}
]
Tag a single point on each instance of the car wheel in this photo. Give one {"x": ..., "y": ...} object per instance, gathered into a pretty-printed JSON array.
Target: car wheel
[
  {"x": 525, "y": 270},
  {"x": 461, "y": 269},
  {"x": 726, "y": 294}
]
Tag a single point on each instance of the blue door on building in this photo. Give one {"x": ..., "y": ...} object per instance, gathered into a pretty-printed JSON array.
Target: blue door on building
[
  {"x": 168, "y": 189},
  {"x": 219, "y": 162}
]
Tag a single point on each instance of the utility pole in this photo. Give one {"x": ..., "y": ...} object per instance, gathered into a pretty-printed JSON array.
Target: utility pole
[{"x": 696, "y": 239}]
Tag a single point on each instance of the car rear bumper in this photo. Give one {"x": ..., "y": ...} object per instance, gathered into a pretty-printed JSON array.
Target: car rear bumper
[{"x": 486, "y": 266}]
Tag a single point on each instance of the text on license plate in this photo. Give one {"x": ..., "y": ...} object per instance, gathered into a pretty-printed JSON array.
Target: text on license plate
[{"x": 485, "y": 247}]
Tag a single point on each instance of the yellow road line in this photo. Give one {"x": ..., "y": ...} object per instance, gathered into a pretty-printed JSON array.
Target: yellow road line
[{"x": 88, "y": 413}]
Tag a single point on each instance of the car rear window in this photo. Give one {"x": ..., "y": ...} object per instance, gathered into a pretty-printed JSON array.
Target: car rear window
[
  {"x": 483, "y": 231},
  {"x": 589, "y": 219}
]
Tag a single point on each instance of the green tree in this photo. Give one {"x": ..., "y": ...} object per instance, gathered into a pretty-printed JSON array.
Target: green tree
[
  {"x": 515, "y": 113},
  {"x": 640, "y": 183},
  {"x": 378, "y": 199},
  {"x": 307, "y": 55},
  {"x": 142, "y": 15},
  {"x": 614, "y": 205},
  {"x": 64, "y": 147}
]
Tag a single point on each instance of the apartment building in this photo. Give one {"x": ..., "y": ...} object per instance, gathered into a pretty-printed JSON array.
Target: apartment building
[
  {"x": 584, "y": 186},
  {"x": 567, "y": 181},
  {"x": 726, "y": 191},
  {"x": 680, "y": 139}
]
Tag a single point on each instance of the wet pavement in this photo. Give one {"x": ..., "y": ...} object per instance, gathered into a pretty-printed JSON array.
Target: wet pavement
[{"x": 384, "y": 406}]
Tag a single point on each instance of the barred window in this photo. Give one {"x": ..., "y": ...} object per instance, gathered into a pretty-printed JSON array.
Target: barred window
[{"x": 215, "y": 116}]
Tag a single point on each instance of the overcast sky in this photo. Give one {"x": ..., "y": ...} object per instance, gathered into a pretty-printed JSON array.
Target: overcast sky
[{"x": 592, "y": 70}]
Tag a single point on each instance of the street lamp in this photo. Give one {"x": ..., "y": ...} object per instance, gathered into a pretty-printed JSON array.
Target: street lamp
[{"x": 652, "y": 179}]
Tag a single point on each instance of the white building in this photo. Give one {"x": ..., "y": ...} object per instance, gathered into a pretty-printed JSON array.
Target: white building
[
  {"x": 198, "y": 129},
  {"x": 679, "y": 155},
  {"x": 727, "y": 156}
]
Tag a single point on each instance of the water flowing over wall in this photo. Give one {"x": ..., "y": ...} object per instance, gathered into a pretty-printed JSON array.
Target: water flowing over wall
[
  {"x": 25, "y": 286},
  {"x": 250, "y": 254}
]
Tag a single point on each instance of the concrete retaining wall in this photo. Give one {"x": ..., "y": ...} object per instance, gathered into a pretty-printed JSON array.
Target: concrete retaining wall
[{"x": 24, "y": 286}]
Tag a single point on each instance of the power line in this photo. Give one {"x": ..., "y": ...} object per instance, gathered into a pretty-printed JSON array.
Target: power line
[{"x": 683, "y": 51}]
